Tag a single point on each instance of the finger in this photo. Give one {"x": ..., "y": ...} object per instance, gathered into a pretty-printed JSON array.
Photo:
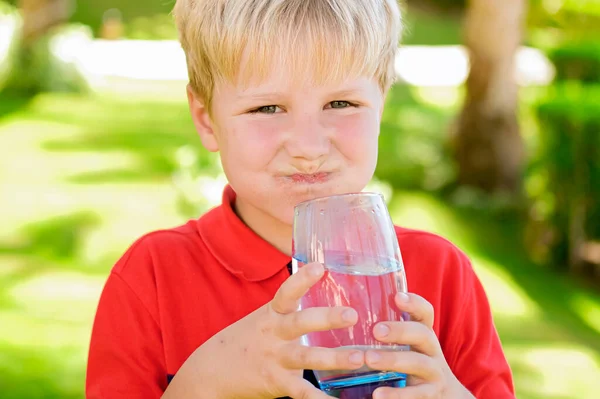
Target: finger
[
  {"x": 419, "y": 337},
  {"x": 315, "y": 358},
  {"x": 296, "y": 324},
  {"x": 408, "y": 362},
  {"x": 417, "y": 307},
  {"x": 288, "y": 296},
  {"x": 424, "y": 391},
  {"x": 302, "y": 389}
]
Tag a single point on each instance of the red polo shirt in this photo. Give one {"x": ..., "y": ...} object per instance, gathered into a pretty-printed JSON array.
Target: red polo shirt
[{"x": 174, "y": 289}]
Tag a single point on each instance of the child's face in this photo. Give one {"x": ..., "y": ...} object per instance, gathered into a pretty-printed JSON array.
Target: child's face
[{"x": 283, "y": 143}]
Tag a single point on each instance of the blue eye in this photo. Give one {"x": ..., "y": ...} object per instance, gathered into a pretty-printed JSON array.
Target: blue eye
[
  {"x": 341, "y": 104},
  {"x": 267, "y": 109}
]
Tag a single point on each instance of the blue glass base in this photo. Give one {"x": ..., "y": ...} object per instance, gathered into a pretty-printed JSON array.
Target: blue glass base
[{"x": 361, "y": 386}]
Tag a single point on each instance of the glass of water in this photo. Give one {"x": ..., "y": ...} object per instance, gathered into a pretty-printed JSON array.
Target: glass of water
[{"x": 353, "y": 236}]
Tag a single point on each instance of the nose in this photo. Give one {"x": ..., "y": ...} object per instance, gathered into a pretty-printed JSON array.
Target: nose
[{"x": 309, "y": 142}]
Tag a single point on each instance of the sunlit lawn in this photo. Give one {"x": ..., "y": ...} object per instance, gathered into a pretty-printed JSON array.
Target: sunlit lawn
[{"x": 81, "y": 178}]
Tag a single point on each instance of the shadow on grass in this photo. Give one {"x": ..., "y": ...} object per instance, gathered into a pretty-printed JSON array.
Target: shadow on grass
[
  {"x": 54, "y": 243},
  {"x": 161, "y": 171},
  {"x": 34, "y": 368},
  {"x": 153, "y": 150},
  {"x": 11, "y": 103},
  {"x": 499, "y": 236},
  {"x": 57, "y": 238},
  {"x": 150, "y": 132}
]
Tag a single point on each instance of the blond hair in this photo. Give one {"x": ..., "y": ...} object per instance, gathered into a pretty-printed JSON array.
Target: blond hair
[{"x": 324, "y": 40}]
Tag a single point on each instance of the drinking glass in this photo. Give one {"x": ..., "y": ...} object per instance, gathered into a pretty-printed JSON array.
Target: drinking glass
[{"x": 353, "y": 236}]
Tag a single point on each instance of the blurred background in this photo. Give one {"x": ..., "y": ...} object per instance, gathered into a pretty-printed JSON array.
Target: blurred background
[{"x": 491, "y": 138}]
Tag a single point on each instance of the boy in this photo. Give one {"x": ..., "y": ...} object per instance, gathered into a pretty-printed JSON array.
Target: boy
[{"x": 290, "y": 92}]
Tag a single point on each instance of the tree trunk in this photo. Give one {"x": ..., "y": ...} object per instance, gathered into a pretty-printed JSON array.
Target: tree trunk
[
  {"x": 31, "y": 60},
  {"x": 39, "y": 16},
  {"x": 488, "y": 146}
]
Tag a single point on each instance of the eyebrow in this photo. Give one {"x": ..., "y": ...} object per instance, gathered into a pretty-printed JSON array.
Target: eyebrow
[
  {"x": 346, "y": 92},
  {"x": 261, "y": 96}
]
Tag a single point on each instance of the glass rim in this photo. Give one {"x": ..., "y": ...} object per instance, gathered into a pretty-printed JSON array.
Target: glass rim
[{"x": 336, "y": 196}]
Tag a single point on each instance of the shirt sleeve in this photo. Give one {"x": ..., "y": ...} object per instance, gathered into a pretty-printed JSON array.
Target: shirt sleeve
[
  {"x": 126, "y": 358},
  {"x": 474, "y": 352}
]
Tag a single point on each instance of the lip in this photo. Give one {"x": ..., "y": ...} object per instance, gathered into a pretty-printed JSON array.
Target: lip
[{"x": 312, "y": 178}]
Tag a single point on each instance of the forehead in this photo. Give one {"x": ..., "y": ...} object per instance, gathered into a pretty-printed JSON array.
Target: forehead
[
  {"x": 284, "y": 88},
  {"x": 295, "y": 72}
]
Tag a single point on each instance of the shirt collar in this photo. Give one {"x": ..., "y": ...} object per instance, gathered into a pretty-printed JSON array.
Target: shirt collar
[{"x": 235, "y": 246}]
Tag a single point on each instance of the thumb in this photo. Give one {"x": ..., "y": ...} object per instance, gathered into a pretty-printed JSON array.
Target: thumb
[{"x": 287, "y": 298}]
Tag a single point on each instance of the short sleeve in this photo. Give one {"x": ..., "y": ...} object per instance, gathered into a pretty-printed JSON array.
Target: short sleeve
[
  {"x": 126, "y": 357},
  {"x": 473, "y": 349}
]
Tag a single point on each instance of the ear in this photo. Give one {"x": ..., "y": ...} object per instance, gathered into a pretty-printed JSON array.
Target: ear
[{"x": 202, "y": 122}]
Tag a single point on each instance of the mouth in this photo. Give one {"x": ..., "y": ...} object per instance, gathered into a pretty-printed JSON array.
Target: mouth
[{"x": 313, "y": 178}]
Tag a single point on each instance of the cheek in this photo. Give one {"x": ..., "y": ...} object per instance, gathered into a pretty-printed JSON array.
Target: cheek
[
  {"x": 253, "y": 142},
  {"x": 356, "y": 136}
]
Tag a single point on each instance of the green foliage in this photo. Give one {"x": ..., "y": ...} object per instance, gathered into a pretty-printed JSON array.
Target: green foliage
[
  {"x": 565, "y": 172},
  {"x": 577, "y": 61},
  {"x": 412, "y": 144},
  {"x": 91, "y": 12},
  {"x": 440, "y": 4},
  {"x": 587, "y": 7},
  {"x": 564, "y": 181},
  {"x": 156, "y": 27},
  {"x": 143, "y": 19},
  {"x": 423, "y": 27},
  {"x": 557, "y": 23}
]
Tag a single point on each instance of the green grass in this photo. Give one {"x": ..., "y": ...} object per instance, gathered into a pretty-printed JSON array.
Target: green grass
[
  {"x": 549, "y": 324},
  {"x": 82, "y": 177},
  {"x": 423, "y": 27}
]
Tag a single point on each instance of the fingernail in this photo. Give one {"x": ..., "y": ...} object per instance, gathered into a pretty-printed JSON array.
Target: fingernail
[
  {"x": 373, "y": 357},
  {"x": 356, "y": 357},
  {"x": 403, "y": 297},
  {"x": 382, "y": 330},
  {"x": 378, "y": 395},
  {"x": 349, "y": 315},
  {"x": 316, "y": 269}
]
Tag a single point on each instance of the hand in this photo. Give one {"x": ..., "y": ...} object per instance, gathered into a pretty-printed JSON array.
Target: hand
[
  {"x": 429, "y": 376},
  {"x": 260, "y": 356}
]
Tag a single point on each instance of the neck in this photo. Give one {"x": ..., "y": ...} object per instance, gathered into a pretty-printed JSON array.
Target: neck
[{"x": 272, "y": 230}]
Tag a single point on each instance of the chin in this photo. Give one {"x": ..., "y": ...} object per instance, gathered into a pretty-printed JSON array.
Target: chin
[
  {"x": 307, "y": 193},
  {"x": 287, "y": 217}
]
